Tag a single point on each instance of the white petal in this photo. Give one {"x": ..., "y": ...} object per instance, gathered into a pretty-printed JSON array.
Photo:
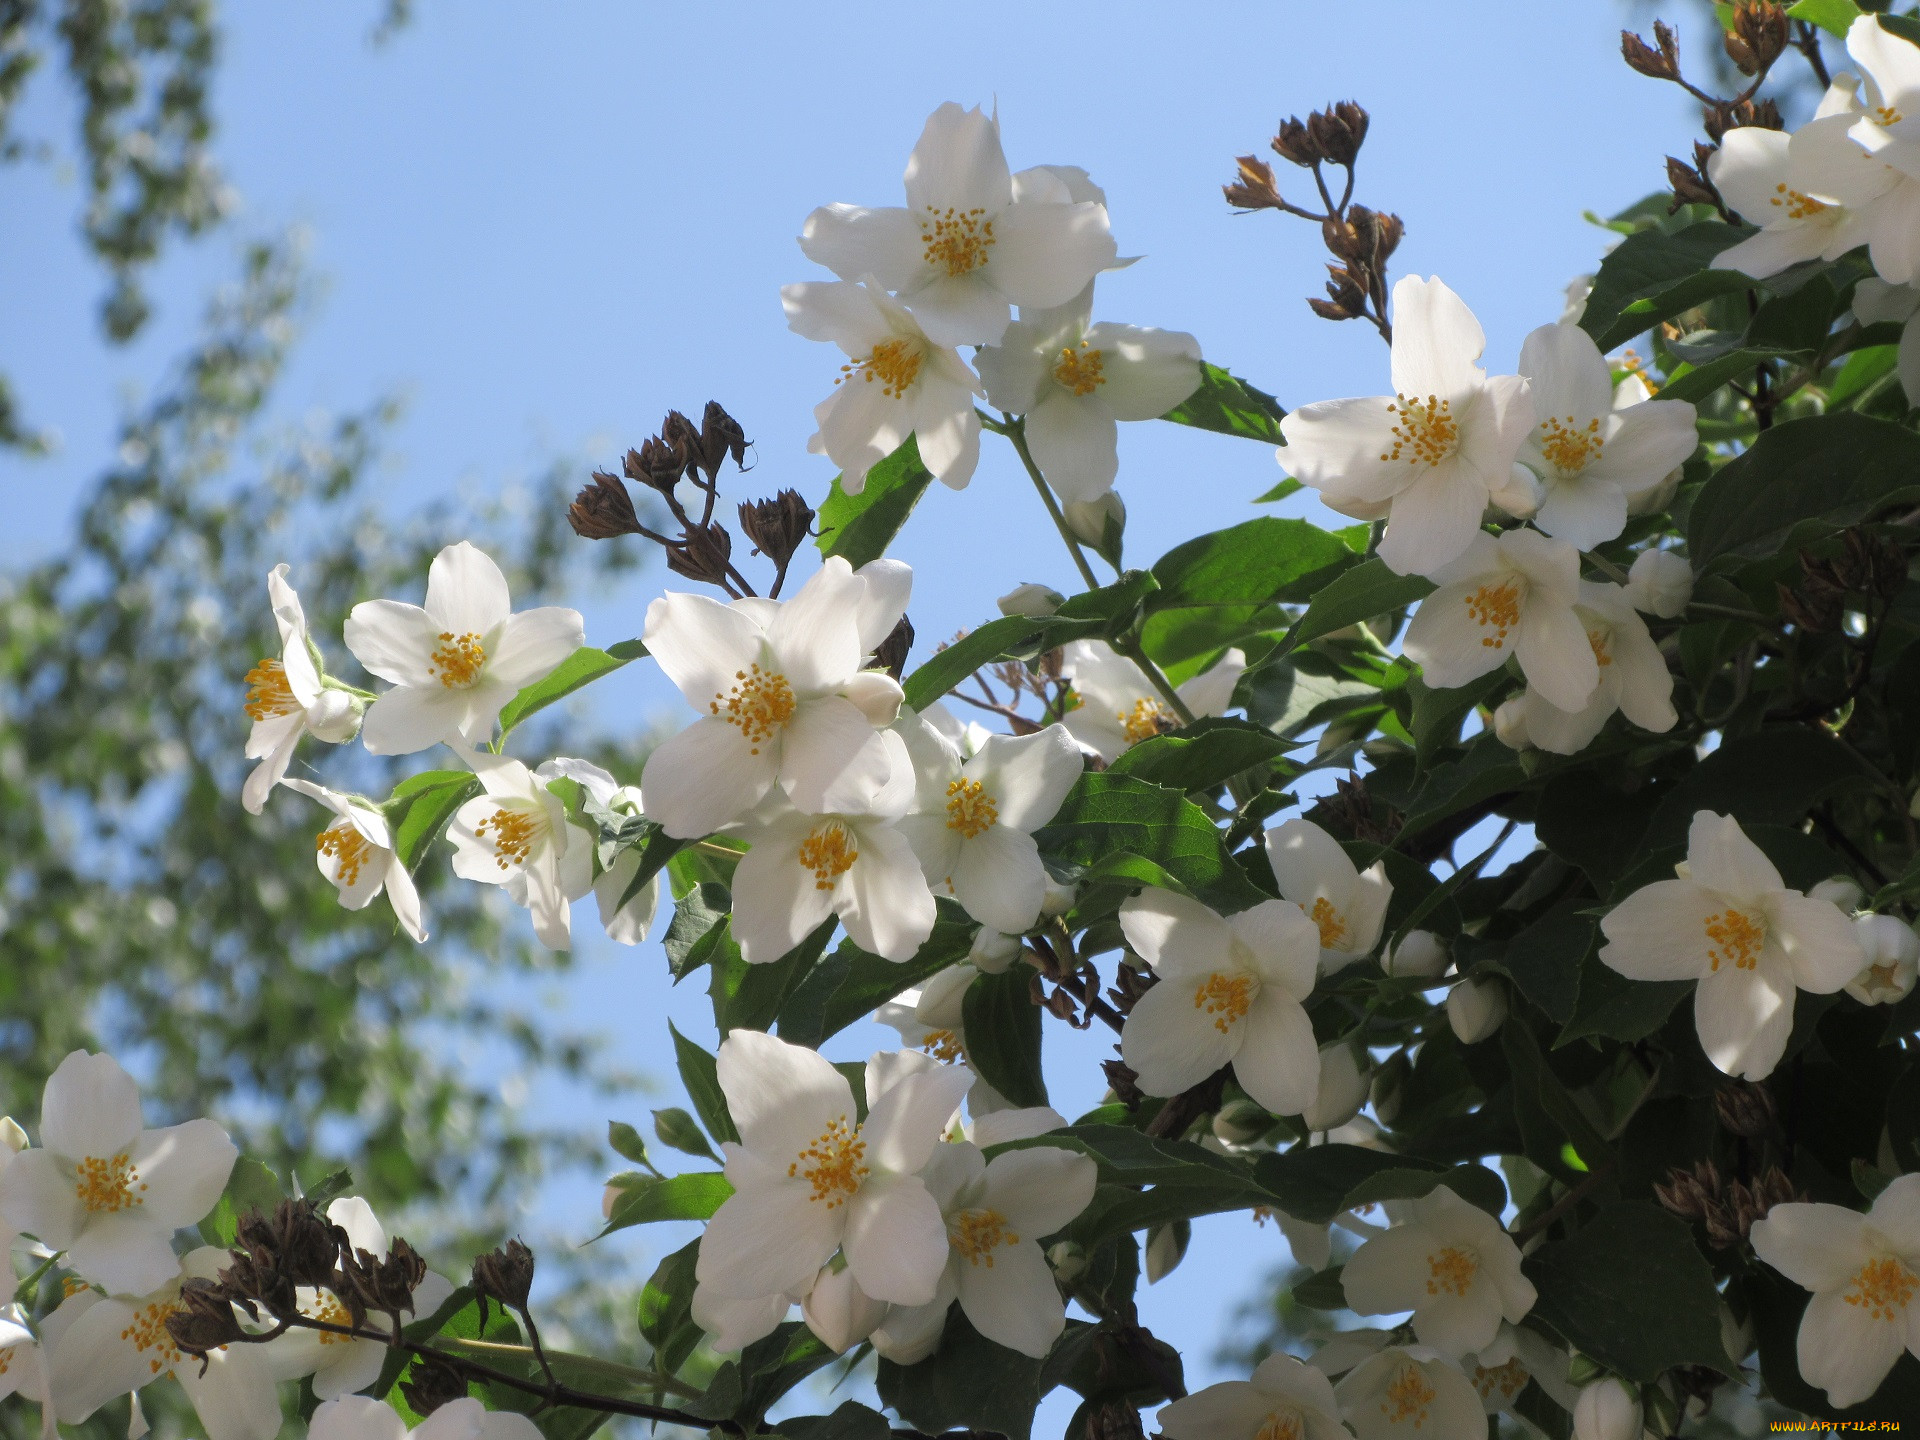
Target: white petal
[
  {"x": 1172, "y": 932},
  {"x": 1278, "y": 1063},
  {"x": 707, "y": 776},
  {"x": 1456, "y": 635},
  {"x": 853, "y": 241},
  {"x": 1388, "y": 1273},
  {"x": 1555, "y": 654},
  {"x": 1586, "y": 510},
  {"x": 896, "y": 1242},
  {"x": 1045, "y": 254},
  {"x": 768, "y": 1241},
  {"x": 37, "y": 1196},
  {"x": 183, "y": 1169},
  {"x": 1721, "y": 857},
  {"x": 958, "y": 164},
  {"x": 1340, "y": 447},
  {"x": 947, "y": 431},
  {"x": 702, "y": 645},
  {"x": 1567, "y": 374},
  {"x": 356, "y": 1417},
  {"x": 1434, "y": 519},
  {"x": 1000, "y": 880},
  {"x": 409, "y": 719},
  {"x": 1818, "y": 1247},
  {"x": 94, "y": 1362},
  {"x": 960, "y": 309},
  {"x": 273, "y": 769},
  {"x": 886, "y": 905},
  {"x": 1847, "y": 1349},
  {"x": 91, "y": 1107},
  {"x": 1040, "y": 1190},
  {"x": 123, "y": 1254},
  {"x": 1011, "y": 1298},
  {"x": 1750, "y": 163},
  {"x": 832, "y": 760},
  {"x": 1817, "y": 948},
  {"x": 1745, "y": 1017},
  {"x": 1437, "y": 342},
  {"x": 466, "y": 593},
  {"x": 889, "y": 587},
  {"x": 394, "y": 641},
  {"x": 1659, "y": 932},
  {"x": 907, "y": 1119},
  {"x": 236, "y": 1399},
  {"x": 1171, "y": 1041},
  {"x": 1284, "y": 944},
  {"x": 815, "y": 638},
  {"x": 1029, "y": 775},
  {"x": 533, "y": 643},
  {"x": 1148, "y": 372},
  {"x": 1075, "y": 442}
]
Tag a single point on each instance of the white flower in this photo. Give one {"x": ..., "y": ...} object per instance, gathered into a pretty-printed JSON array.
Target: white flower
[
  {"x": 995, "y": 1213},
  {"x": 1607, "y": 1410},
  {"x": 733, "y": 1324},
  {"x": 896, "y": 383},
  {"x": 809, "y": 1179},
  {"x": 355, "y": 853},
  {"x": 1284, "y": 1399},
  {"x": 22, "y": 1358},
  {"x": 457, "y": 662},
  {"x": 1893, "y": 960},
  {"x": 993, "y": 951},
  {"x": 1634, "y": 678},
  {"x": 1420, "y": 954},
  {"x": 782, "y": 698},
  {"x": 930, "y": 1018},
  {"x": 1231, "y": 990},
  {"x": 1888, "y": 128},
  {"x": 1660, "y": 582},
  {"x": 806, "y": 866},
  {"x": 1452, "y": 1265},
  {"x": 1099, "y": 522},
  {"x": 1345, "y": 905},
  {"x": 966, "y": 246},
  {"x": 1501, "y": 1371},
  {"x": 625, "y": 924},
  {"x": 104, "y": 1188},
  {"x": 1731, "y": 923},
  {"x": 516, "y": 835},
  {"x": 1032, "y": 599},
  {"x": 839, "y": 1311},
  {"x": 1435, "y": 451},
  {"x": 359, "y": 1417},
  {"x": 287, "y": 698},
  {"x": 1874, "y": 300},
  {"x": 1813, "y": 193},
  {"x": 100, "y": 1347},
  {"x": 1410, "y": 1392},
  {"x": 1512, "y": 593},
  {"x": 973, "y": 820},
  {"x": 1476, "y": 1009},
  {"x": 1344, "y": 1084},
  {"x": 1591, "y": 458},
  {"x": 342, "y": 1364},
  {"x": 1118, "y": 707},
  {"x": 1864, "y": 1272},
  {"x": 1073, "y": 380}
]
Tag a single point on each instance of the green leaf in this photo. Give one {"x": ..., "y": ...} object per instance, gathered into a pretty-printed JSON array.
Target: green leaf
[
  {"x": 851, "y": 983},
  {"x": 1366, "y": 590},
  {"x": 1630, "y": 1290},
  {"x": 576, "y": 672},
  {"x": 666, "y": 1309},
  {"x": 1695, "y": 383},
  {"x": 772, "y": 1366},
  {"x": 420, "y": 807},
  {"x": 1437, "y": 714},
  {"x": 693, "y": 1196},
  {"x": 750, "y": 996},
  {"x": 1833, "y": 16},
  {"x": 1286, "y": 487},
  {"x": 1823, "y": 472},
  {"x": 1201, "y": 756},
  {"x": 1652, "y": 276},
  {"x": 458, "y": 1316},
  {"x": 627, "y": 1144},
  {"x": 968, "y": 1383},
  {"x": 1544, "y": 959},
  {"x": 1535, "y": 1083},
  {"x": 1221, "y": 587},
  {"x": 1312, "y": 1183},
  {"x": 852, "y": 1421},
  {"x": 699, "y": 928},
  {"x": 1864, "y": 370},
  {"x": 700, "y": 1074},
  {"x": 1609, "y": 1004},
  {"x": 250, "y": 1186},
  {"x": 677, "y": 1128},
  {"x": 1002, "y": 1026},
  {"x": 657, "y": 850},
  {"x": 1228, "y": 405},
  {"x": 1475, "y": 1184},
  {"x": 1107, "y": 813},
  {"x": 1772, "y": 777},
  {"x": 1322, "y": 1290},
  {"x": 859, "y": 528}
]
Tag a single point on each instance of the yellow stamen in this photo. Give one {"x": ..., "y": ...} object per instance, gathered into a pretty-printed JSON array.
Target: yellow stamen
[
  {"x": 1883, "y": 1288},
  {"x": 895, "y": 363},
  {"x": 348, "y": 847},
  {"x": 1333, "y": 925},
  {"x": 1797, "y": 206},
  {"x": 1495, "y": 607},
  {"x": 459, "y": 659},
  {"x": 1408, "y": 1396},
  {"x": 1602, "y": 656},
  {"x": 1887, "y": 114},
  {"x": 829, "y": 852},
  {"x": 832, "y": 1163},
  {"x": 1262, "y": 1214},
  {"x": 1451, "y": 1270},
  {"x": 1737, "y": 938},
  {"x": 957, "y": 240},
  {"x": 944, "y": 1046},
  {"x": 1082, "y": 371},
  {"x": 1225, "y": 997},
  {"x": 149, "y": 1333},
  {"x": 1509, "y": 1379},
  {"x": 976, "y": 1234},
  {"x": 970, "y": 810},
  {"x": 513, "y": 835},
  {"x": 332, "y": 1312},
  {"x": 1570, "y": 446},
  {"x": 1147, "y": 719},
  {"x": 760, "y": 703},
  {"x": 268, "y": 693},
  {"x": 1427, "y": 429},
  {"x": 106, "y": 1187},
  {"x": 1280, "y": 1427}
]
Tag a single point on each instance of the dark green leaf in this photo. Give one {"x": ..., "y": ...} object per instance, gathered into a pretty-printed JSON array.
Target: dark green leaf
[
  {"x": 1321, "y": 1291},
  {"x": 772, "y": 1366},
  {"x": 1437, "y": 714},
  {"x": 1228, "y": 405},
  {"x": 859, "y": 528},
  {"x": 576, "y": 672},
  {"x": 1106, "y": 813},
  {"x": 1545, "y": 958},
  {"x": 1286, "y": 487},
  {"x": 1630, "y": 1291},
  {"x": 1535, "y": 1081},
  {"x": 968, "y": 1383},
  {"x": 852, "y": 1421},
  {"x": 693, "y": 1196},
  {"x": 677, "y": 1128},
  {"x": 1002, "y": 1026},
  {"x": 429, "y": 801},
  {"x": 750, "y": 996},
  {"x": 1200, "y": 756},
  {"x": 1773, "y": 777},
  {"x": 1475, "y": 1184},
  {"x": 1312, "y": 1183},
  {"x": 851, "y": 982},
  {"x": 1652, "y": 276},
  {"x": 1610, "y": 1004},
  {"x": 699, "y": 928},
  {"x": 1366, "y": 590},
  {"x": 1696, "y": 383},
  {"x": 1221, "y": 587},
  {"x": 700, "y": 1075}
]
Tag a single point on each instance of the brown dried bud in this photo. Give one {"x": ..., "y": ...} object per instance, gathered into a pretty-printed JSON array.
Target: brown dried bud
[
  {"x": 1346, "y": 239},
  {"x": 1391, "y": 229},
  {"x": 1255, "y": 190},
  {"x": 720, "y": 437},
  {"x": 702, "y": 553},
  {"x": 1746, "y": 1204},
  {"x": 1690, "y": 187},
  {"x": 658, "y": 464},
  {"x": 1761, "y": 31},
  {"x": 1122, "y": 1080},
  {"x": 890, "y": 654},
  {"x": 1644, "y": 58},
  {"x": 1669, "y": 43},
  {"x": 779, "y": 526},
  {"x": 432, "y": 1383},
  {"x": 1724, "y": 1230},
  {"x": 381, "y": 1284},
  {"x": 1338, "y": 132},
  {"x": 680, "y": 435},
  {"x": 1347, "y": 290},
  {"x": 1329, "y": 309},
  {"x": 205, "y": 1320},
  {"x": 505, "y": 1274},
  {"x": 1744, "y": 1109},
  {"x": 1294, "y": 142},
  {"x": 1112, "y": 1420},
  {"x": 1690, "y": 1194},
  {"x": 603, "y": 509}
]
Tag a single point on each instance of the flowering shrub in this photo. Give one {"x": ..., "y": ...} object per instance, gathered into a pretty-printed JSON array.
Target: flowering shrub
[{"x": 1610, "y": 1125}]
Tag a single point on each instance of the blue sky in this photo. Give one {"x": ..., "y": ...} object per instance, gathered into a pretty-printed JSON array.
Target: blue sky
[{"x": 546, "y": 225}]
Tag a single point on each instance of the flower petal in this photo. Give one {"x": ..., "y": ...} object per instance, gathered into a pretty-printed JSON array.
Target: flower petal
[
  {"x": 1075, "y": 441},
  {"x": 1029, "y": 775},
  {"x": 946, "y": 428},
  {"x": 1818, "y": 1247},
  {"x": 1437, "y": 342},
  {"x": 1659, "y": 932},
  {"x": 1043, "y": 255},
  {"x": 1434, "y": 519},
  {"x": 393, "y": 641},
  {"x": 94, "y": 1362},
  {"x": 777, "y": 902},
  {"x": 91, "y": 1107},
  {"x": 1338, "y": 446},
  {"x": 1013, "y": 1300},
  {"x": 896, "y": 1241},
  {"x": 123, "y": 1253},
  {"x": 466, "y": 593},
  {"x": 763, "y": 1241},
  {"x": 1818, "y": 939},
  {"x": 958, "y": 164},
  {"x": 1174, "y": 933},
  {"x": 999, "y": 878},
  {"x": 832, "y": 760},
  {"x": 1745, "y": 1016},
  {"x": 781, "y": 1096},
  {"x": 854, "y": 241},
  {"x": 38, "y": 1197},
  {"x": 1566, "y": 375},
  {"x": 1278, "y": 1063},
  {"x": 183, "y": 1170},
  {"x": 235, "y": 1399},
  {"x": 1721, "y": 857},
  {"x": 1284, "y": 944},
  {"x": 1039, "y": 1190},
  {"x": 1555, "y": 654},
  {"x": 1847, "y": 1349},
  {"x": 707, "y": 776},
  {"x": 1148, "y": 372},
  {"x": 1171, "y": 1042},
  {"x": 533, "y": 643},
  {"x": 908, "y": 1118},
  {"x": 886, "y": 906},
  {"x": 702, "y": 645},
  {"x": 409, "y": 719}
]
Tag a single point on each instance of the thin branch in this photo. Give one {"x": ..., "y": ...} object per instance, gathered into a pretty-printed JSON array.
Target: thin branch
[{"x": 1565, "y": 1203}]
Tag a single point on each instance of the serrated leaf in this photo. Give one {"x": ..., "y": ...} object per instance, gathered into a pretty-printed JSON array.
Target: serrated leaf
[
  {"x": 1366, "y": 590},
  {"x": 1002, "y": 1026},
  {"x": 576, "y": 672},
  {"x": 751, "y": 996},
  {"x": 701, "y": 1075},
  {"x": 1201, "y": 756},
  {"x": 852, "y": 1421},
  {"x": 859, "y": 528},
  {"x": 1228, "y": 405},
  {"x": 1438, "y": 714},
  {"x": 1106, "y": 814},
  {"x": 698, "y": 929},
  {"x": 1653, "y": 275},
  {"x": 851, "y": 983},
  {"x": 1219, "y": 588}
]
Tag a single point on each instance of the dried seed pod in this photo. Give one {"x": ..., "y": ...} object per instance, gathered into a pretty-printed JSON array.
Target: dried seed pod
[
  {"x": 505, "y": 1274},
  {"x": 603, "y": 509},
  {"x": 1294, "y": 142},
  {"x": 779, "y": 526}
]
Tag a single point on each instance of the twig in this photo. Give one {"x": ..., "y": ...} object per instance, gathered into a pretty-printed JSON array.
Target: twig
[{"x": 1565, "y": 1203}]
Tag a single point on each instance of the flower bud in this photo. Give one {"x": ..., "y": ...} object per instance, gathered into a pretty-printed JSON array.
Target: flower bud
[
  {"x": 1475, "y": 1009},
  {"x": 1241, "y": 1122},
  {"x": 1520, "y": 496},
  {"x": 335, "y": 715},
  {"x": 1893, "y": 960},
  {"x": 1343, "y": 1088},
  {"x": 993, "y": 952},
  {"x": 1419, "y": 953},
  {"x": 1606, "y": 1410},
  {"x": 1059, "y": 898},
  {"x": 1067, "y": 1260},
  {"x": 1660, "y": 583},
  {"x": 11, "y": 1135},
  {"x": 1744, "y": 1109},
  {"x": 1166, "y": 1248},
  {"x": 1510, "y": 723},
  {"x": 839, "y": 1312},
  {"x": 1099, "y": 523},
  {"x": 1841, "y": 891},
  {"x": 1031, "y": 599}
]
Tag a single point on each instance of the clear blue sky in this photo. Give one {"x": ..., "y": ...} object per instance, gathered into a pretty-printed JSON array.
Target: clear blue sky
[{"x": 548, "y": 224}]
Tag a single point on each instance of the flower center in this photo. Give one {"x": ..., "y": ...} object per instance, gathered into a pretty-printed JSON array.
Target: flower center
[
  {"x": 1882, "y": 1288},
  {"x": 459, "y": 659},
  {"x": 1736, "y": 938},
  {"x": 1428, "y": 430},
  {"x": 1333, "y": 925},
  {"x": 514, "y": 832},
  {"x": 1602, "y": 656},
  {"x": 149, "y": 1332},
  {"x": 829, "y": 852},
  {"x": 895, "y": 363},
  {"x": 1495, "y": 607},
  {"x": 831, "y": 1164},
  {"x": 1278, "y": 1426},
  {"x": 1408, "y": 1396},
  {"x": 332, "y": 1312},
  {"x": 106, "y": 1187},
  {"x": 268, "y": 693},
  {"x": 970, "y": 810},
  {"x": 1887, "y": 114},
  {"x": 1570, "y": 446},
  {"x": 1451, "y": 1270},
  {"x": 1225, "y": 997},
  {"x": 348, "y": 847},
  {"x": 1082, "y": 371},
  {"x": 976, "y": 1234},
  {"x": 944, "y": 1045},
  {"x": 1509, "y": 1379},
  {"x": 1883, "y": 977},
  {"x": 1147, "y": 719},
  {"x": 957, "y": 240},
  {"x": 1797, "y": 206},
  {"x": 760, "y": 703}
]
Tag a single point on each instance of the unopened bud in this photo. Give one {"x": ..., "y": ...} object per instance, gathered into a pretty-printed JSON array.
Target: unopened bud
[
  {"x": 1241, "y": 1122},
  {"x": 335, "y": 716},
  {"x": 431, "y": 1383},
  {"x": 1476, "y": 1009},
  {"x": 1839, "y": 890},
  {"x": 1099, "y": 523},
  {"x": 1031, "y": 599},
  {"x": 1892, "y": 952},
  {"x": 1343, "y": 1088},
  {"x": 1067, "y": 1259},
  {"x": 1166, "y": 1248},
  {"x": 1607, "y": 1410},
  {"x": 1520, "y": 496},
  {"x": 1419, "y": 954},
  {"x": 1389, "y": 1087},
  {"x": 779, "y": 526},
  {"x": 993, "y": 951},
  {"x": 1660, "y": 583},
  {"x": 839, "y": 1312},
  {"x": 1744, "y": 1109},
  {"x": 505, "y": 1274},
  {"x": 1510, "y": 723},
  {"x": 604, "y": 509}
]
